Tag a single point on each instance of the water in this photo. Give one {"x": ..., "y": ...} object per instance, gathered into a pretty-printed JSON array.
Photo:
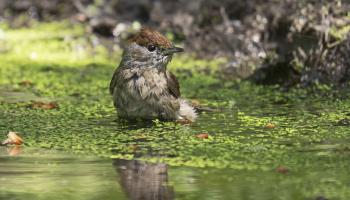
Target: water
[
  {"x": 83, "y": 152},
  {"x": 35, "y": 174}
]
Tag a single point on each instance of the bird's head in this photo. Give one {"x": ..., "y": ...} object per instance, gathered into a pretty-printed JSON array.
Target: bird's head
[{"x": 149, "y": 48}]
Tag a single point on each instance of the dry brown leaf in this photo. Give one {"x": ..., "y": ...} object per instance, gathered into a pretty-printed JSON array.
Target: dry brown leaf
[
  {"x": 44, "y": 105},
  {"x": 26, "y": 83},
  {"x": 270, "y": 125},
  {"x": 12, "y": 138},
  {"x": 282, "y": 170},
  {"x": 202, "y": 136},
  {"x": 183, "y": 121}
]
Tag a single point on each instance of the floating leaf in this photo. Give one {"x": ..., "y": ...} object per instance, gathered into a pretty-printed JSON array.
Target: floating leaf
[
  {"x": 12, "y": 138},
  {"x": 183, "y": 121},
  {"x": 282, "y": 170},
  {"x": 25, "y": 83},
  {"x": 203, "y": 135},
  {"x": 44, "y": 105},
  {"x": 270, "y": 125}
]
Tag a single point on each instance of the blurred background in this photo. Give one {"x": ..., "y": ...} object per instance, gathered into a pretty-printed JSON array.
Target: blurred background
[{"x": 283, "y": 42}]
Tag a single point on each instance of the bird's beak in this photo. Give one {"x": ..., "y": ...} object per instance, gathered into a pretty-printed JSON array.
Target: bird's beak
[{"x": 172, "y": 50}]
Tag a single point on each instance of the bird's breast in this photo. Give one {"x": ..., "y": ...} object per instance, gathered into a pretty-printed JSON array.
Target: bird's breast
[{"x": 147, "y": 84}]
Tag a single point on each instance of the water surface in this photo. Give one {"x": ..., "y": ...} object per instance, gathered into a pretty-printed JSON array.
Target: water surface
[{"x": 32, "y": 174}]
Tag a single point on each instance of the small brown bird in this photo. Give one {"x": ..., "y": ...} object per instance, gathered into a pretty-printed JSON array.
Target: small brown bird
[{"x": 142, "y": 87}]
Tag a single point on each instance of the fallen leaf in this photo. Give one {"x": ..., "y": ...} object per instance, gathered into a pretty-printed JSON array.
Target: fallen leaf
[
  {"x": 12, "y": 138},
  {"x": 183, "y": 121},
  {"x": 43, "y": 105},
  {"x": 202, "y": 136},
  {"x": 26, "y": 83},
  {"x": 270, "y": 125},
  {"x": 282, "y": 170}
]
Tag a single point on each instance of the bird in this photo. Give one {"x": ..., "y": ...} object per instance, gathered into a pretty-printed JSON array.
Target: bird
[{"x": 142, "y": 87}]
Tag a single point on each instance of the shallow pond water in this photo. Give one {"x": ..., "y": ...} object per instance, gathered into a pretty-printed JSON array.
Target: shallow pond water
[
  {"x": 34, "y": 174},
  {"x": 264, "y": 143}
]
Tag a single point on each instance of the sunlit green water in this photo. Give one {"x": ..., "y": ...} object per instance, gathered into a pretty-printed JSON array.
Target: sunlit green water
[{"x": 80, "y": 150}]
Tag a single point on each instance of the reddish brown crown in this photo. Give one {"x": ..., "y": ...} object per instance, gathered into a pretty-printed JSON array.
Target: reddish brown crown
[{"x": 147, "y": 36}]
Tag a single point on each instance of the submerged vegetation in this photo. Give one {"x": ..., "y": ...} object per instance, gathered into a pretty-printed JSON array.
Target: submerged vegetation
[{"x": 250, "y": 128}]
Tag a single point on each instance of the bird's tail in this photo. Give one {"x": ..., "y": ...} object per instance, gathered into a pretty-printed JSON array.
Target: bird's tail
[{"x": 186, "y": 111}]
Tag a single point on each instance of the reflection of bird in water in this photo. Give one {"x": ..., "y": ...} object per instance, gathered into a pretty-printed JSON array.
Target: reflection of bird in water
[
  {"x": 144, "y": 181},
  {"x": 14, "y": 150}
]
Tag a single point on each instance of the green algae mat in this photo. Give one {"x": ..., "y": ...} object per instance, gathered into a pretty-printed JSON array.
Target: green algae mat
[{"x": 262, "y": 143}]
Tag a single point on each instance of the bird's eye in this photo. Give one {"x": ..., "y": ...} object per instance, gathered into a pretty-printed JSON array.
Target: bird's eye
[{"x": 151, "y": 47}]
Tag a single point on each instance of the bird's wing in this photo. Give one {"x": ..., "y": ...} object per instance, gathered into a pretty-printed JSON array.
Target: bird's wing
[
  {"x": 113, "y": 82},
  {"x": 173, "y": 85}
]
